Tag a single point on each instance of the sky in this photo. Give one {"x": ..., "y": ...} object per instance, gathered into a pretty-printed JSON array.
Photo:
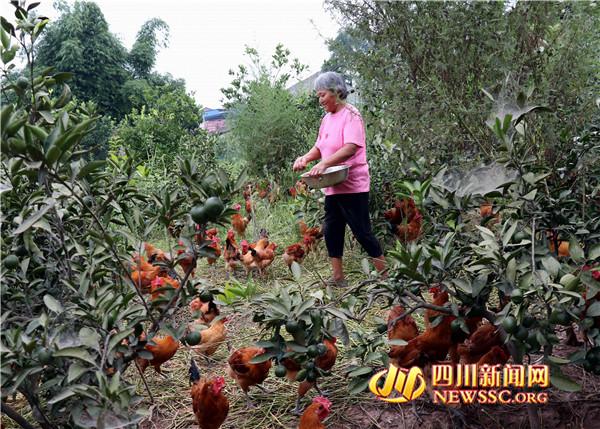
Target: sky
[{"x": 207, "y": 37}]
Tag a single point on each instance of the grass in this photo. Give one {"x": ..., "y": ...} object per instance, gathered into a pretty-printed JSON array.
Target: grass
[{"x": 172, "y": 403}]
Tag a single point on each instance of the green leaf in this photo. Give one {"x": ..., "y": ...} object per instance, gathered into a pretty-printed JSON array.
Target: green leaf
[
  {"x": 563, "y": 383},
  {"x": 76, "y": 370},
  {"x": 558, "y": 360},
  {"x": 575, "y": 250},
  {"x": 357, "y": 386},
  {"x": 397, "y": 342},
  {"x": 90, "y": 338},
  {"x": 360, "y": 371},
  {"x": 337, "y": 313},
  {"x": 594, "y": 252},
  {"x": 53, "y": 304},
  {"x": 89, "y": 168},
  {"x": 264, "y": 357},
  {"x": 593, "y": 310},
  {"x": 77, "y": 353},
  {"x": 296, "y": 270},
  {"x": 551, "y": 265},
  {"x": 364, "y": 264},
  {"x": 31, "y": 220},
  {"x": 67, "y": 393},
  {"x": 511, "y": 271},
  {"x": 569, "y": 281}
]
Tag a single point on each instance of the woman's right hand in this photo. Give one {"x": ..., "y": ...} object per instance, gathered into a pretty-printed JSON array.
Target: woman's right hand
[{"x": 299, "y": 164}]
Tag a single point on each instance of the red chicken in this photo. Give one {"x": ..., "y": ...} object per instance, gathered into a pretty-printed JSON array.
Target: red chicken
[
  {"x": 403, "y": 329},
  {"x": 240, "y": 223},
  {"x": 406, "y": 220},
  {"x": 163, "y": 349},
  {"x": 263, "y": 257},
  {"x": 186, "y": 259},
  {"x": 214, "y": 245},
  {"x": 231, "y": 253},
  {"x": 160, "y": 285},
  {"x": 430, "y": 346},
  {"x": 315, "y": 413},
  {"x": 248, "y": 374},
  {"x": 294, "y": 253},
  {"x": 479, "y": 343},
  {"x": 309, "y": 235},
  {"x": 209, "y": 310},
  {"x": 496, "y": 356},
  {"x": 209, "y": 403}
]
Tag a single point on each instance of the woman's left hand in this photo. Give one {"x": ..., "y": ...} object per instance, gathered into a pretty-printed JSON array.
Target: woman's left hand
[{"x": 318, "y": 169}]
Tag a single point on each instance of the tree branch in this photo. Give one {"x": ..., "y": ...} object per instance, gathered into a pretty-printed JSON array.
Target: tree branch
[{"x": 16, "y": 417}]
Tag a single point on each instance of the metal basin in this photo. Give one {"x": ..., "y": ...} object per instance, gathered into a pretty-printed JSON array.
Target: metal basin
[{"x": 330, "y": 177}]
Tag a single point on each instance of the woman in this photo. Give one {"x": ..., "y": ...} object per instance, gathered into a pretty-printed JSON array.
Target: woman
[{"x": 341, "y": 140}]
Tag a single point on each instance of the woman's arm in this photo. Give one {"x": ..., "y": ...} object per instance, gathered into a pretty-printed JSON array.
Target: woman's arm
[
  {"x": 311, "y": 155},
  {"x": 344, "y": 153}
]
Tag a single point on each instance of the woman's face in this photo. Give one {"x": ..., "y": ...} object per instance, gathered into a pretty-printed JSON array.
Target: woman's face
[{"x": 328, "y": 100}]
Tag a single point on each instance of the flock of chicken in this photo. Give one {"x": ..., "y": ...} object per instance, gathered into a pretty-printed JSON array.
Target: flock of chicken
[
  {"x": 153, "y": 274},
  {"x": 481, "y": 345}
]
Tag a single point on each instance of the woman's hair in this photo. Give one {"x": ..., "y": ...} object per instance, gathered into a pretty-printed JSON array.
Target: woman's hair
[{"x": 332, "y": 81}]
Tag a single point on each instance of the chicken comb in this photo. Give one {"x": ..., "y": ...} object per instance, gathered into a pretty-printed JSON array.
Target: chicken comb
[
  {"x": 237, "y": 207},
  {"x": 321, "y": 400},
  {"x": 218, "y": 384},
  {"x": 434, "y": 289}
]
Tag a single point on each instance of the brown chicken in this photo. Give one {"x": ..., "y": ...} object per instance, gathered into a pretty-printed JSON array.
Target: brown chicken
[
  {"x": 160, "y": 285},
  {"x": 231, "y": 253},
  {"x": 155, "y": 255},
  {"x": 310, "y": 236},
  {"x": 142, "y": 273},
  {"x": 163, "y": 349},
  {"x": 240, "y": 223},
  {"x": 324, "y": 362},
  {"x": 403, "y": 329},
  {"x": 246, "y": 257},
  {"x": 294, "y": 253},
  {"x": 315, "y": 413},
  {"x": 208, "y": 401},
  {"x": 214, "y": 245},
  {"x": 479, "y": 343},
  {"x": 406, "y": 220},
  {"x": 248, "y": 252},
  {"x": 263, "y": 257},
  {"x": 212, "y": 338},
  {"x": 487, "y": 210},
  {"x": 248, "y": 374},
  {"x": 248, "y": 206},
  {"x": 496, "y": 356},
  {"x": 186, "y": 259},
  {"x": 208, "y": 310},
  {"x": 433, "y": 344}
]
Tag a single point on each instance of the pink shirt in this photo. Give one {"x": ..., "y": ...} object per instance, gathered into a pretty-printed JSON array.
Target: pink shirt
[{"x": 337, "y": 129}]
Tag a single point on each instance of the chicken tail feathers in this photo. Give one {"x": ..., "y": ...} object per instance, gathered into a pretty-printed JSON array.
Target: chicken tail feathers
[{"x": 194, "y": 372}]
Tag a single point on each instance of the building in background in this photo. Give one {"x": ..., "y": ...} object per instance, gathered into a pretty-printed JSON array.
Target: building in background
[{"x": 213, "y": 121}]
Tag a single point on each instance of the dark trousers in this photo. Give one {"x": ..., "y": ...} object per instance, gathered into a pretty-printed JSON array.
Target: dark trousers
[{"x": 351, "y": 210}]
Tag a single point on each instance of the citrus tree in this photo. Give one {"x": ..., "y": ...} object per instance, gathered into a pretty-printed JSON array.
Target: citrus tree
[{"x": 72, "y": 317}]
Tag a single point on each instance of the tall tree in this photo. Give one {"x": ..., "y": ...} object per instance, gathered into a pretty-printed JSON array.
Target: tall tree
[
  {"x": 422, "y": 65},
  {"x": 143, "y": 52},
  {"x": 80, "y": 42}
]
